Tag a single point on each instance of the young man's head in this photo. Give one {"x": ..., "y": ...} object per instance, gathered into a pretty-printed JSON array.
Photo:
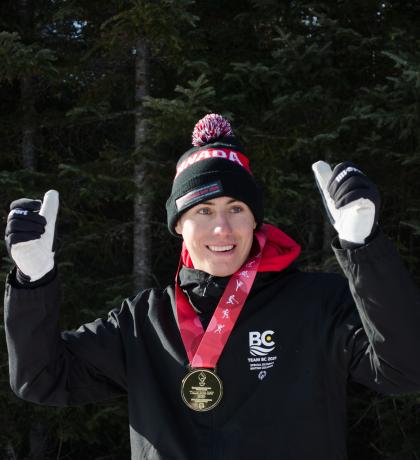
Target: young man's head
[
  {"x": 218, "y": 234},
  {"x": 215, "y": 203}
]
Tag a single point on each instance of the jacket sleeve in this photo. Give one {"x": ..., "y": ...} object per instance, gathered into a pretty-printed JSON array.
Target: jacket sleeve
[
  {"x": 385, "y": 352},
  {"x": 60, "y": 368}
]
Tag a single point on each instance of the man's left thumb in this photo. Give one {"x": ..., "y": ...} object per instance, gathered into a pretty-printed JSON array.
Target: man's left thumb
[{"x": 323, "y": 173}]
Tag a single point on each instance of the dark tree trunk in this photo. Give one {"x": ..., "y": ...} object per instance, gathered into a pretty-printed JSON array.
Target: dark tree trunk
[
  {"x": 142, "y": 211},
  {"x": 28, "y": 124},
  {"x": 28, "y": 159},
  {"x": 38, "y": 441},
  {"x": 10, "y": 453}
]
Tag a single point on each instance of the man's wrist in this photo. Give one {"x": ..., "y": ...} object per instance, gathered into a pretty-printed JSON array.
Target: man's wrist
[
  {"x": 350, "y": 245},
  {"x": 23, "y": 280}
]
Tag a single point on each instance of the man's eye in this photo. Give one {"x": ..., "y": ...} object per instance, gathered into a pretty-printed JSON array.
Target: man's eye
[
  {"x": 204, "y": 211},
  {"x": 236, "y": 209}
]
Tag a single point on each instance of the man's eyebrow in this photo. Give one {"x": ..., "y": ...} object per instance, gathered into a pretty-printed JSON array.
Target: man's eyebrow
[{"x": 209, "y": 203}]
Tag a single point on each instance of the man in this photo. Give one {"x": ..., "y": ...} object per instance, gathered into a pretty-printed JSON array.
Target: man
[{"x": 244, "y": 356}]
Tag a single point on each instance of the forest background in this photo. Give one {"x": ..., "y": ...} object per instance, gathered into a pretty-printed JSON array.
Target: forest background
[{"x": 98, "y": 100}]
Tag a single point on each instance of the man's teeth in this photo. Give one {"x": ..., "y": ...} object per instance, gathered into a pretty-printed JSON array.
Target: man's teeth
[{"x": 221, "y": 248}]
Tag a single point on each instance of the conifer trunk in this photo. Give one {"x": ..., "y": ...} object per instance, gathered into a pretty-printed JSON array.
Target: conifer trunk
[
  {"x": 141, "y": 225},
  {"x": 38, "y": 441},
  {"x": 28, "y": 124},
  {"x": 10, "y": 453},
  {"x": 27, "y": 105}
]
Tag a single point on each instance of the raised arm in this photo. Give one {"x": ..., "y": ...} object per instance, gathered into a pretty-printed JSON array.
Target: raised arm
[
  {"x": 47, "y": 366},
  {"x": 385, "y": 352}
]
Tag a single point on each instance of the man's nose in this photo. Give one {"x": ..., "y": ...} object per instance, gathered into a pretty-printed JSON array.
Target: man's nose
[{"x": 222, "y": 224}]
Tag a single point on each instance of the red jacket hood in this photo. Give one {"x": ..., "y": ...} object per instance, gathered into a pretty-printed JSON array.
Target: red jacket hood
[{"x": 279, "y": 252}]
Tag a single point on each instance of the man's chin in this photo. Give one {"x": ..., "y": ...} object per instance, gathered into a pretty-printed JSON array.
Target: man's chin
[{"x": 221, "y": 270}]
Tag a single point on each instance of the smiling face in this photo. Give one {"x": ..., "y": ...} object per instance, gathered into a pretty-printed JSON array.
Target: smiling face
[{"x": 218, "y": 234}]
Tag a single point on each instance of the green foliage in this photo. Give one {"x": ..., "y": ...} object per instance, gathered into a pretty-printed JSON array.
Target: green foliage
[
  {"x": 171, "y": 119},
  {"x": 20, "y": 60},
  {"x": 157, "y": 22}
]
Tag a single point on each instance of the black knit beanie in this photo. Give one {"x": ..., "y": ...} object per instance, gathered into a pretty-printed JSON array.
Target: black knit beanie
[{"x": 215, "y": 166}]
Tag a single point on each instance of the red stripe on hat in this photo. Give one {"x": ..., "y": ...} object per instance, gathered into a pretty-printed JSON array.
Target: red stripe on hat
[{"x": 206, "y": 154}]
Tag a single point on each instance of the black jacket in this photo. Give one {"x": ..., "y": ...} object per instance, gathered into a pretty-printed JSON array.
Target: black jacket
[{"x": 288, "y": 404}]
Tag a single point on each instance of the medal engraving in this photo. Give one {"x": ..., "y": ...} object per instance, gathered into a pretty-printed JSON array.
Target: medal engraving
[{"x": 201, "y": 390}]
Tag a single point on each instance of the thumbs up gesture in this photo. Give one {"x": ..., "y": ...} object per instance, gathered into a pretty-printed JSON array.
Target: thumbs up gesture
[
  {"x": 30, "y": 233},
  {"x": 351, "y": 199}
]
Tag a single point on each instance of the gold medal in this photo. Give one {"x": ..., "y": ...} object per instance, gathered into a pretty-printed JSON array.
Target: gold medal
[{"x": 201, "y": 389}]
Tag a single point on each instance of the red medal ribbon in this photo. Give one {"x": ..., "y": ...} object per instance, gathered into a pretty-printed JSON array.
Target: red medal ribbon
[{"x": 204, "y": 348}]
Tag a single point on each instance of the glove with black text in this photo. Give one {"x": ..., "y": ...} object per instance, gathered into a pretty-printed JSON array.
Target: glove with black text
[
  {"x": 351, "y": 200},
  {"x": 29, "y": 235}
]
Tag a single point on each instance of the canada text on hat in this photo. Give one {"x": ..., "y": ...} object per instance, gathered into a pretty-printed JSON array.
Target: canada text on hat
[{"x": 227, "y": 154}]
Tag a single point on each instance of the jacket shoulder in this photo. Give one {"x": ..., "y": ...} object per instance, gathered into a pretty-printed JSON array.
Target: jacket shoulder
[{"x": 141, "y": 304}]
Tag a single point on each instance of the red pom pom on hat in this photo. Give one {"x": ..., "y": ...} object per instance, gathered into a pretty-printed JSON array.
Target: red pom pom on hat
[{"x": 210, "y": 128}]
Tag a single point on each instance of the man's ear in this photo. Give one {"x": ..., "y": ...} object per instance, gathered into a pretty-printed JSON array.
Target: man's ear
[{"x": 178, "y": 227}]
